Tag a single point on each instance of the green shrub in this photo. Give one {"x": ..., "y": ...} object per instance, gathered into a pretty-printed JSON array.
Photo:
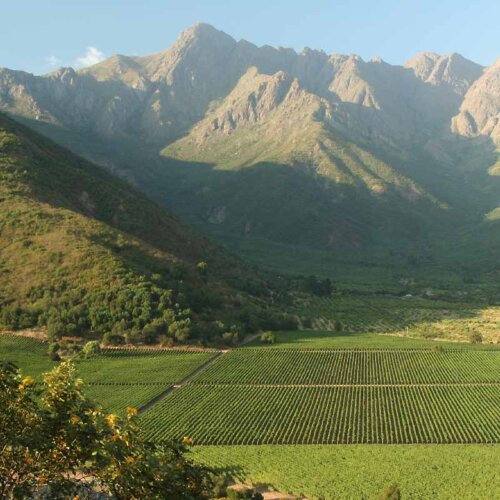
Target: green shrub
[
  {"x": 91, "y": 348},
  {"x": 268, "y": 338}
]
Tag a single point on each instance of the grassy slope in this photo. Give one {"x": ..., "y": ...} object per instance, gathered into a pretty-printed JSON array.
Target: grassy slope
[
  {"x": 363, "y": 471},
  {"x": 67, "y": 228}
]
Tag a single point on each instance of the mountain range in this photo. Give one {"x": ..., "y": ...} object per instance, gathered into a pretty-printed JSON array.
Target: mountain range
[{"x": 266, "y": 148}]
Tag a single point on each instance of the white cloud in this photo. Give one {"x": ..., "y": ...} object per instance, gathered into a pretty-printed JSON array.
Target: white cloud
[
  {"x": 92, "y": 56},
  {"x": 53, "y": 61}
]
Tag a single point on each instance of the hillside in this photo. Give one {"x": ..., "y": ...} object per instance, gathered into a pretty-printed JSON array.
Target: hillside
[
  {"x": 264, "y": 147},
  {"x": 83, "y": 253}
]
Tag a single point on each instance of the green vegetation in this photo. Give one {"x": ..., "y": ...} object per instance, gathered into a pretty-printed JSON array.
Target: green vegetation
[
  {"x": 26, "y": 353},
  {"x": 328, "y": 367},
  {"x": 251, "y": 414},
  {"x": 408, "y": 316},
  {"x": 82, "y": 253},
  {"x": 114, "y": 378},
  {"x": 60, "y": 445},
  {"x": 363, "y": 471},
  {"x": 314, "y": 339}
]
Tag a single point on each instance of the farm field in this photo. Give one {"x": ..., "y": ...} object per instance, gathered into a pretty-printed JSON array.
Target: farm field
[
  {"x": 338, "y": 367},
  {"x": 28, "y": 354},
  {"x": 247, "y": 414},
  {"x": 323, "y": 339},
  {"x": 409, "y": 316},
  {"x": 116, "y": 378},
  {"x": 363, "y": 471}
]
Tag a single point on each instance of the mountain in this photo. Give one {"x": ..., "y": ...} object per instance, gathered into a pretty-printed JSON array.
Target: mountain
[
  {"x": 80, "y": 250},
  {"x": 480, "y": 110},
  {"x": 262, "y": 145}
]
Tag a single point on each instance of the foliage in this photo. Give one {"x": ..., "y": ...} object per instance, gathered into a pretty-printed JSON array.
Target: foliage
[
  {"x": 475, "y": 338},
  {"x": 84, "y": 254},
  {"x": 268, "y": 338},
  {"x": 392, "y": 492},
  {"x": 91, "y": 349},
  {"x": 59, "y": 443}
]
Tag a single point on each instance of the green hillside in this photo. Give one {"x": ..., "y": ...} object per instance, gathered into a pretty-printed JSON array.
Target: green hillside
[{"x": 85, "y": 254}]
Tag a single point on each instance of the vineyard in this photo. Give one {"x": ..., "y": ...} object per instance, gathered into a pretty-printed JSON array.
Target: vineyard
[
  {"x": 336, "y": 396},
  {"x": 324, "y": 367},
  {"x": 26, "y": 353},
  {"x": 412, "y": 316},
  {"x": 116, "y": 378},
  {"x": 235, "y": 414}
]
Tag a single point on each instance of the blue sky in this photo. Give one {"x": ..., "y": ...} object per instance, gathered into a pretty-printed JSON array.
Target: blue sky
[{"x": 39, "y": 35}]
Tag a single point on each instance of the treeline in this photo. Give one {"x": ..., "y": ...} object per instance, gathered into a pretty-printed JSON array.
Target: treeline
[{"x": 148, "y": 311}]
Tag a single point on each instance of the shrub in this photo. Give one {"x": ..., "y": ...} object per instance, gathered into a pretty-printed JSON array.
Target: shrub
[
  {"x": 268, "y": 338},
  {"x": 392, "y": 492},
  {"x": 91, "y": 348},
  {"x": 53, "y": 351},
  {"x": 113, "y": 339},
  {"x": 475, "y": 338},
  {"x": 230, "y": 338}
]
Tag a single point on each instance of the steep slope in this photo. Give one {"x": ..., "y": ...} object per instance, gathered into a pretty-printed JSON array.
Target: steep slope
[
  {"x": 83, "y": 253},
  {"x": 480, "y": 110},
  {"x": 276, "y": 168}
]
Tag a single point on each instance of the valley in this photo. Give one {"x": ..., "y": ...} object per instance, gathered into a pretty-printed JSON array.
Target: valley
[{"x": 227, "y": 263}]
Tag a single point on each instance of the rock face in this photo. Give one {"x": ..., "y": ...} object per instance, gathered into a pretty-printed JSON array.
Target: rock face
[
  {"x": 158, "y": 98},
  {"x": 365, "y": 141},
  {"x": 480, "y": 109}
]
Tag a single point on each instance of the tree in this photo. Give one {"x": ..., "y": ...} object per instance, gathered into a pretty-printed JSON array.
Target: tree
[
  {"x": 62, "y": 445},
  {"x": 202, "y": 268}
]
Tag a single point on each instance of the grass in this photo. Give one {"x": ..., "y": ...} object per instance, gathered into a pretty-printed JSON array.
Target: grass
[{"x": 363, "y": 471}]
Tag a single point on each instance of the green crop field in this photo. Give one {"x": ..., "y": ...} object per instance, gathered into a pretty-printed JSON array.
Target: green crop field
[
  {"x": 236, "y": 414},
  {"x": 26, "y": 353},
  {"x": 123, "y": 367},
  {"x": 363, "y": 471},
  {"x": 409, "y": 316},
  {"x": 323, "y": 367},
  {"x": 116, "y": 378},
  {"x": 317, "y": 339}
]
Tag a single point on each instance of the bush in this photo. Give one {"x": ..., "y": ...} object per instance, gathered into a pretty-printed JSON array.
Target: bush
[
  {"x": 475, "y": 338},
  {"x": 91, "y": 348},
  {"x": 53, "y": 351},
  {"x": 392, "y": 492},
  {"x": 113, "y": 339},
  {"x": 54, "y": 430},
  {"x": 230, "y": 338},
  {"x": 268, "y": 338}
]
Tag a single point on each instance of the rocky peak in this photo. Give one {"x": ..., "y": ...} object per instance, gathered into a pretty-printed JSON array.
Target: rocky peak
[{"x": 452, "y": 70}]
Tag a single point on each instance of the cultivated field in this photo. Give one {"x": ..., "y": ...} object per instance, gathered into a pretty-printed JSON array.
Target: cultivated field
[
  {"x": 448, "y": 472},
  {"x": 409, "y": 316},
  {"x": 116, "y": 378},
  {"x": 259, "y": 395}
]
